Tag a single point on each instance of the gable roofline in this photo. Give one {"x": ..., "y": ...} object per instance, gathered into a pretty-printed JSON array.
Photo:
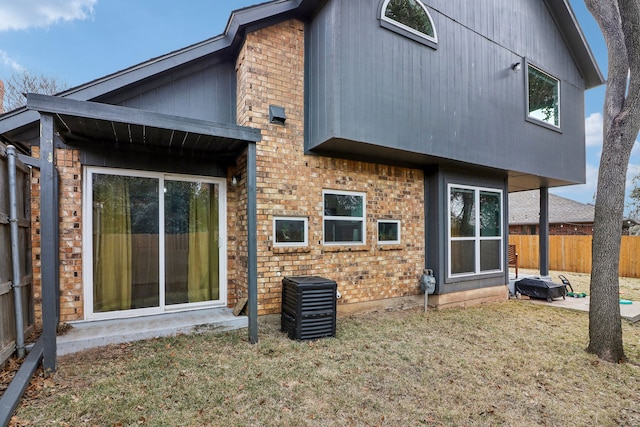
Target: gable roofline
[
  {"x": 258, "y": 16},
  {"x": 572, "y": 32},
  {"x": 254, "y": 16},
  {"x": 248, "y": 18}
]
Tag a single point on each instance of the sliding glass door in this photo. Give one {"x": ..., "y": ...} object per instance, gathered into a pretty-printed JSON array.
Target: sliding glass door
[
  {"x": 191, "y": 250},
  {"x": 155, "y": 242}
]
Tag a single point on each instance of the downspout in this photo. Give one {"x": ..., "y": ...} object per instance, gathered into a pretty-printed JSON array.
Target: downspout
[
  {"x": 252, "y": 243},
  {"x": 15, "y": 254}
]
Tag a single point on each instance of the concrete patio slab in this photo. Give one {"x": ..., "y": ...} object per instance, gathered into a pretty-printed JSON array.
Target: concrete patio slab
[
  {"x": 96, "y": 333},
  {"x": 630, "y": 312}
]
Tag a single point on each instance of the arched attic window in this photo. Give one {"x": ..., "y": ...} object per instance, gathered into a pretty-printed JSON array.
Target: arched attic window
[{"x": 409, "y": 18}]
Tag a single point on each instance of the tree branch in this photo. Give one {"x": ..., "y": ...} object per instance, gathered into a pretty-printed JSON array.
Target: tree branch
[
  {"x": 607, "y": 15},
  {"x": 630, "y": 9}
]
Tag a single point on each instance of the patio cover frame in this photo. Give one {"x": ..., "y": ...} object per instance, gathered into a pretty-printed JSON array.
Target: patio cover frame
[{"x": 85, "y": 120}]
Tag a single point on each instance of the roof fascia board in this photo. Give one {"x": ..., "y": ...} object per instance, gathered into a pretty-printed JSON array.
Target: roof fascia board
[
  {"x": 249, "y": 15},
  {"x": 16, "y": 119},
  {"x": 237, "y": 21},
  {"x": 97, "y": 111},
  {"x": 146, "y": 69},
  {"x": 154, "y": 66},
  {"x": 99, "y": 87},
  {"x": 575, "y": 38}
]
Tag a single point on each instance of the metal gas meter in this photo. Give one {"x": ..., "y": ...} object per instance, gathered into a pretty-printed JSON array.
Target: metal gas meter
[
  {"x": 427, "y": 285},
  {"x": 427, "y": 281}
]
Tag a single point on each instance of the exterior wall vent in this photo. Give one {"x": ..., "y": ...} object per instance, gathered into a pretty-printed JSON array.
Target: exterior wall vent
[{"x": 277, "y": 115}]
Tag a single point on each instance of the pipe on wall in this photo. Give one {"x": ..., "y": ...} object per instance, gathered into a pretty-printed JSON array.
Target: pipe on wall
[{"x": 15, "y": 250}]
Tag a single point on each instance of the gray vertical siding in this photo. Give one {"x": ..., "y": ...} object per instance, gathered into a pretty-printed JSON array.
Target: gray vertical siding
[
  {"x": 205, "y": 91},
  {"x": 461, "y": 102},
  {"x": 437, "y": 179}
]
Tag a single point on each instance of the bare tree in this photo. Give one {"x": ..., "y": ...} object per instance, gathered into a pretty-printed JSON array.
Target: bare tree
[
  {"x": 634, "y": 205},
  {"x": 22, "y": 83},
  {"x": 619, "y": 21}
]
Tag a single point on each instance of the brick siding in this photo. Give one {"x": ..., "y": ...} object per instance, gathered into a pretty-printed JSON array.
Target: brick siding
[
  {"x": 70, "y": 232},
  {"x": 270, "y": 71}
]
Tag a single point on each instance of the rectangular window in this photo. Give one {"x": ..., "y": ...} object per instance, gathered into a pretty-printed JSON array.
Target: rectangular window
[
  {"x": 388, "y": 232},
  {"x": 155, "y": 242},
  {"x": 475, "y": 230},
  {"x": 543, "y": 97},
  {"x": 290, "y": 231},
  {"x": 343, "y": 217}
]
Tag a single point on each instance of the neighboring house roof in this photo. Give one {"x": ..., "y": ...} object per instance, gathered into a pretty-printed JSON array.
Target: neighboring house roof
[
  {"x": 264, "y": 14},
  {"x": 524, "y": 209}
]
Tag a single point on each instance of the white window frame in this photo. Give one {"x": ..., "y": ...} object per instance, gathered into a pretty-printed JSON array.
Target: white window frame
[
  {"x": 363, "y": 235},
  {"x": 393, "y": 23},
  {"x": 477, "y": 238},
  {"x": 398, "y": 223},
  {"x": 87, "y": 243},
  {"x": 534, "y": 119},
  {"x": 305, "y": 220}
]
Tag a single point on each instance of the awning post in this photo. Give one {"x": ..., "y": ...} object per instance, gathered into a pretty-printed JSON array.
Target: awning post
[{"x": 48, "y": 241}]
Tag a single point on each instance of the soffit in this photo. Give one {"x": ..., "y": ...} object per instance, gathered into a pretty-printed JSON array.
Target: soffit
[{"x": 128, "y": 128}]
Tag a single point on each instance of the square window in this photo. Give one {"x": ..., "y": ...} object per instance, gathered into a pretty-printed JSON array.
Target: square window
[
  {"x": 388, "y": 232},
  {"x": 343, "y": 217},
  {"x": 463, "y": 255},
  {"x": 543, "y": 97},
  {"x": 290, "y": 231},
  {"x": 490, "y": 255}
]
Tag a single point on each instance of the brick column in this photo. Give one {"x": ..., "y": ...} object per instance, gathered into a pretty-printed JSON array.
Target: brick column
[{"x": 70, "y": 223}]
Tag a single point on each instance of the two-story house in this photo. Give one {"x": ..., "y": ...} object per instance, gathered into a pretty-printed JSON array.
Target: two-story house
[{"x": 357, "y": 140}]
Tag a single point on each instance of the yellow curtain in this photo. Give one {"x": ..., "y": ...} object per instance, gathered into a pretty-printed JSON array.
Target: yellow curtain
[
  {"x": 112, "y": 244},
  {"x": 203, "y": 259}
]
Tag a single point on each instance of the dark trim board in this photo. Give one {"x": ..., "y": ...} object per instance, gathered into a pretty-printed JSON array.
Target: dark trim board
[
  {"x": 12, "y": 395},
  {"x": 107, "y": 154},
  {"x": 117, "y": 114}
]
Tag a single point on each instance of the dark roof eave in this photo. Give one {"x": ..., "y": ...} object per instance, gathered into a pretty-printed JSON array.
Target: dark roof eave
[
  {"x": 238, "y": 20},
  {"x": 253, "y": 15},
  {"x": 94, "y": 110},
  {"x": 570, "y": 28}
]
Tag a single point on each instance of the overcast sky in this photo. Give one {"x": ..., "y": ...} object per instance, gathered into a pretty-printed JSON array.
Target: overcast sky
[{"x": 76, "y": 41}]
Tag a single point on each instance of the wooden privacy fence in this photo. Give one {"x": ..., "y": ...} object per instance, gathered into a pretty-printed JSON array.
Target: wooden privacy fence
[
  {"x": 573, "y": 253},
  {"x": 7, "y": 306}
]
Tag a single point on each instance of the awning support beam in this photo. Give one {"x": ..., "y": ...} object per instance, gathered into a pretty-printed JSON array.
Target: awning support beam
[
  {"x": 134, "y": 116},
  {"x": 49, "y": 241}
]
